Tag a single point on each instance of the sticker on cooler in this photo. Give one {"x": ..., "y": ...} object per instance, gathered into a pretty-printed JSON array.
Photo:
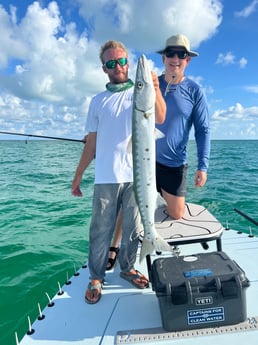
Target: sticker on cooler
[
  {"x": 205, "y": 315},
  {"x": 198, "y": 273}
]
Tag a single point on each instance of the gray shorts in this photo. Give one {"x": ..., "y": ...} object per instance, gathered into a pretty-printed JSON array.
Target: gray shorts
[{"x": 107, "y": 201}]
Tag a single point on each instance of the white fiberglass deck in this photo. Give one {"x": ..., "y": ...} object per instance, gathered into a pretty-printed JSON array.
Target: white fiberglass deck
[{"x": 126, "y": 315}]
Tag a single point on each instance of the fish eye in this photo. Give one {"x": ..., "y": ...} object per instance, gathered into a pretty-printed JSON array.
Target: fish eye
[{"x": 139, "y": 84}]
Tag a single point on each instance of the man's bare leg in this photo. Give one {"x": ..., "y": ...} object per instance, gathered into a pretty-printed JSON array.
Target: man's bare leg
[{"x": 175, "y": 205}]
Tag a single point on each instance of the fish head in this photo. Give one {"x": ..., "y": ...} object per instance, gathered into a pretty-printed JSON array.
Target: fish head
[{"x": 144, "y": 92}]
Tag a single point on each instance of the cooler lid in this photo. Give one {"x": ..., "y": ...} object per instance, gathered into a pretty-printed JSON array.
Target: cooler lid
[{"x": 200, "y": 268}]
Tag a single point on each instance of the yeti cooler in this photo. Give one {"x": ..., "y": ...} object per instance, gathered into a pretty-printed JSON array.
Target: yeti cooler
[{"x": 199, "y": 291}]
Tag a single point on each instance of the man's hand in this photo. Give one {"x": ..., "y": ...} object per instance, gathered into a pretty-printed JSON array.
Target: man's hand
[
  {"x": 200, "y": 178},
  {"x": 155, "y": 80},
  {"x": 76, "y": 191}
]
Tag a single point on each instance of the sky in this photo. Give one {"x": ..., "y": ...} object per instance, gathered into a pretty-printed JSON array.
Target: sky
[{"x": 50, "y": 67}]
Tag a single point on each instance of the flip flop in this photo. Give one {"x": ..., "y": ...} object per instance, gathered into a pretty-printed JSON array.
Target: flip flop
[
  {"x": 92, "y": 288},
  {"x": 132, "y": 276},
  {"x": 112, "y": 261}
]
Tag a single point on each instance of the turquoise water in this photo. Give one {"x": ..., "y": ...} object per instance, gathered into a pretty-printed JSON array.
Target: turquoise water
[{"x": 44, "y": 230}]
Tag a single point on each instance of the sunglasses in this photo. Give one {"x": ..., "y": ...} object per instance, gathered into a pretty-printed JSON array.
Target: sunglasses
[
  {"x": 181, "y": 54},
  {"x": 110, "y": 64}
]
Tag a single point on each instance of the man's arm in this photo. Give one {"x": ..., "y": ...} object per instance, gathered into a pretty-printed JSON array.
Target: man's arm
[{"x": 87, "y": 156}]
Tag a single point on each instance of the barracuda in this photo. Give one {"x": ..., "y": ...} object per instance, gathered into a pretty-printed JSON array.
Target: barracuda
[{"x": 143, "y": 149}]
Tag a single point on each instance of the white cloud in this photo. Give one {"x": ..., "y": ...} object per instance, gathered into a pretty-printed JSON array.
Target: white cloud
[
  {"x": 226, "y": 59},
  {"x": 242, "y": 62},
  {"x": 230, "y": 59},
  {"x": 248, "y": 10},
  {"x": 252, "y": 88},
  {"x": 52, "y": 67},
  {"x": 236, "y": 112},
  {"x": 11, "y": 44},
  {"x": 23, "y": 116},
  {"x": 235, "y": 122},
  {"x": 56, "y": 63},
  {"x": 252, "y": 130},
  {"x": 146, "y": 27}
]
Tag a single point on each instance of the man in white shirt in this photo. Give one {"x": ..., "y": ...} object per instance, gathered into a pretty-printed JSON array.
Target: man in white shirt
[{"x": 109, "y": 125}]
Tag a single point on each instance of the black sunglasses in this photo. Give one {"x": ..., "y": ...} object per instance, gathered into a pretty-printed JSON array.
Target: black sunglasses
[
  {"x": 181, "y": 54},
  {"x": 110, "y": 64}
]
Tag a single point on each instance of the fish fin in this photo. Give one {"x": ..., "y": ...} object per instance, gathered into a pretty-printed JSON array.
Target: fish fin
[
  {"x": 159, "y": 245},
  {"x": 158, "y": 134}
]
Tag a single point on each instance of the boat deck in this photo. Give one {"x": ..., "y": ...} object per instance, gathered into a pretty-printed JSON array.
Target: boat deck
[{"x": 127, "y": 315}]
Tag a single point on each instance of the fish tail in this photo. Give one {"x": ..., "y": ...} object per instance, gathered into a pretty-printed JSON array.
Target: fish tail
[{"x": 159, "y": 245}]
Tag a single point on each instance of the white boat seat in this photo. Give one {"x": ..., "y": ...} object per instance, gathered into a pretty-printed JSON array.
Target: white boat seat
[{"x": 197, "y": 225}]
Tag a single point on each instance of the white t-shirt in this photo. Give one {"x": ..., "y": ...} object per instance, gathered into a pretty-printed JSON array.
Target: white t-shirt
[{"x": 110, "y": 115}]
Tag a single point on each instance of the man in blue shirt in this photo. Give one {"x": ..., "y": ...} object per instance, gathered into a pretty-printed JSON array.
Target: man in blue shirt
[{"x": 186, "y": 107}]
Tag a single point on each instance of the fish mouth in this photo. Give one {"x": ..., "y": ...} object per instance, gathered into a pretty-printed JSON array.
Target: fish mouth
[{"x": 144, "y": 74}]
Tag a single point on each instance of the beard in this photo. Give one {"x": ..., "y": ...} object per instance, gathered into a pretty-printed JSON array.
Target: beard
[{"x": 118, "y": 77}]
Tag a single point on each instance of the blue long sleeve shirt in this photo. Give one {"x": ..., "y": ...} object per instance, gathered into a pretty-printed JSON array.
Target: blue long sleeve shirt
[{"x": 186, "y": 107}]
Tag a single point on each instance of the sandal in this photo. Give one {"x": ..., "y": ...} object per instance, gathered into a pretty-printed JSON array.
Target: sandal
[
  {"x": 112, "y": 261},
  {"x": 132, "y": 278},
  {"x": 95, "y": 292}
]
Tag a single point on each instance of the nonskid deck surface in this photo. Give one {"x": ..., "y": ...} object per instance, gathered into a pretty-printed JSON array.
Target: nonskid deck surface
[
  {"x": 127, "y": 315},
  {"x": 196, "y": 224}
]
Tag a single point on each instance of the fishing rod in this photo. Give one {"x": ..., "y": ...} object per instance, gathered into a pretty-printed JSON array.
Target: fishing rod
[
  {"x": 246, "y": 216},
  {"x": 41, "y": 136}
]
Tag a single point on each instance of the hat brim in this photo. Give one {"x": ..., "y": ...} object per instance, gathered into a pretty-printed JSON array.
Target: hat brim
[{"x": 192, "y": 54}]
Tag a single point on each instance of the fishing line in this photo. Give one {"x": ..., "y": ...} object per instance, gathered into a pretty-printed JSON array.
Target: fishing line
[
  {"x": 246, "y": 216},
  {"x": 169, "y": 83},
  {"x": 42, "y": 136}
]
